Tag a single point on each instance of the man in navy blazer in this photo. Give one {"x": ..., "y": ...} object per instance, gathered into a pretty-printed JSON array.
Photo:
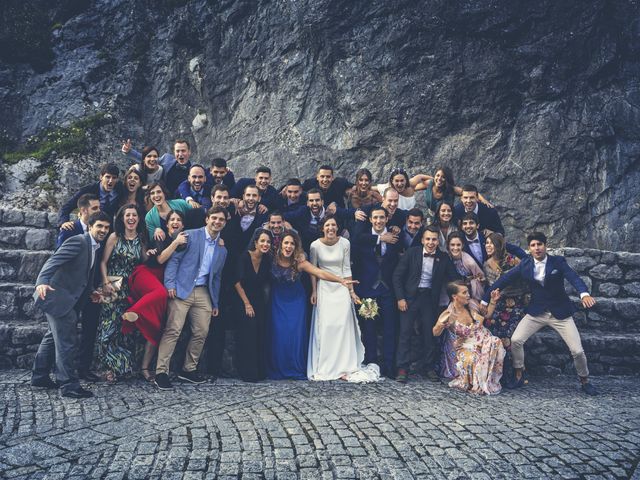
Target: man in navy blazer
[
  {"x": 411, "y": 233},
  {"x": 87, "y": 204},
  {"x": 62, "y": 288},
  {"x": 549, "y": 306},
  {"x": 108, "y": 190},
  {"x": 175, "y": 167},
  {"x": 269, "y": 196},
  {"x": 489, "y": 220},
  {"x": 375, "y": 255},
  {"x": 474, "y": 243},
  {"x": 306, "y": 219},
  {"x": 195, "y": 190},
  {"x": 192, "y": 278}
]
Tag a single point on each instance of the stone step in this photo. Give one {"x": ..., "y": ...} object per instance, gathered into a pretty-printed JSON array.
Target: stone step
[
  {"x": 610, "y": 315},
  {"x": 16, "y": 303},
  {"x": 21, "y": 265},
  {"x": 607, "y": 353},
  {"x": 30, "y": 218},
  {"x": 27, "y": 238}
]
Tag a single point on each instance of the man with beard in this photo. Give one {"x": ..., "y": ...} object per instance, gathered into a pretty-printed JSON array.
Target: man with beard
[
  {"x": 246, "y": 219},
  {"x": 268, "y": 195},
  {"x": 194, "y": 189},
  {"x": 220, "y": 174},
  {"x": 334, "y": 189},
  {"x": 175, "y": 167},
  {"x": 108, "y": 190},
  {"x": 62, "y": 288}
]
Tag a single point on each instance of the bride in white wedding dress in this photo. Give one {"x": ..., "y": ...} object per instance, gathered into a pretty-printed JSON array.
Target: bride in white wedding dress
[{"x": 335, "y": 348}]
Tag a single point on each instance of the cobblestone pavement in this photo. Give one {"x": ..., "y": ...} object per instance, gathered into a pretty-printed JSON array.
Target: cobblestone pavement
[{"x": 230, "y": 429}]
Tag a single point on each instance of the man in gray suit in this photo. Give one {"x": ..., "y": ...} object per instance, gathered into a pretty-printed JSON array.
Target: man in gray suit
[
  {"x": 62, "y": 289},
  {"x": 192, "y": 279}
]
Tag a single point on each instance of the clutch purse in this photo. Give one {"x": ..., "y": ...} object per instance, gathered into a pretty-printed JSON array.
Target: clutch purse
[{"x": 99, "y": 296}]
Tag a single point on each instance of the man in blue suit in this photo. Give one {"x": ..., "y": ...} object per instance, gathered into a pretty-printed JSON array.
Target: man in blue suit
[
  {"x": 488, "y": 218},
  {"x": 375, "y": 255},
  {"x": 108, "y": 190},
  {"x": 195, "y": 190},
  {"x": 87, "y": 204},
  {"x": 549, "y": 306},
  {"x": 474, "y": 243},
  {"x": 192, "y": 278},
  {"x": 175, "y": 167}
]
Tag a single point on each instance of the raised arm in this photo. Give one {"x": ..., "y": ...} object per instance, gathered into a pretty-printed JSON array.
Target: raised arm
[{"x": 420, "y": 181}]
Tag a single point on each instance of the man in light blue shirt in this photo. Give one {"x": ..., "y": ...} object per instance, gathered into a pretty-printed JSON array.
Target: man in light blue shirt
[{"x": 192, "y": 279}]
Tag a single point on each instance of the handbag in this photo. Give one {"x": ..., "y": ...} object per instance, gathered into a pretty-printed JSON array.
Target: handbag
[{"x": 116, "y": 284}]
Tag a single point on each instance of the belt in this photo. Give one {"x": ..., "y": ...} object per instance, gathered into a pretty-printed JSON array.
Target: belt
[{"x": 422, "y": 290}]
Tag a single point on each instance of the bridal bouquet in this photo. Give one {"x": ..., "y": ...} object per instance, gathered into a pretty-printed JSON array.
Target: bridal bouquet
[{"x": 369, "y": 308}]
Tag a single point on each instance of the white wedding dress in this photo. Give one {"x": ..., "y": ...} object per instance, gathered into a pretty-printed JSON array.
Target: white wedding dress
[{"x": 335, "y": 347}]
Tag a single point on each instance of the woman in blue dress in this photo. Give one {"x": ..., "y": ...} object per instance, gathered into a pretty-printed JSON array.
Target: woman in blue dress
[{"x": 288, "y": 332}]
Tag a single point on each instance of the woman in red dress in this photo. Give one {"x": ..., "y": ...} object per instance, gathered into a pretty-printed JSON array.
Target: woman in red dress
[{"x": 148, "y": 296}]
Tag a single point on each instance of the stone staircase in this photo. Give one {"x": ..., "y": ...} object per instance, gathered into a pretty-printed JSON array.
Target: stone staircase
[{"x": 610, "y": 332}]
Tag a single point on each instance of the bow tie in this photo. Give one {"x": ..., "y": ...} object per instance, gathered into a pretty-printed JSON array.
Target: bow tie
[
  {"x": 473, "y": 241},
  {"x": 429, "y": 255}
]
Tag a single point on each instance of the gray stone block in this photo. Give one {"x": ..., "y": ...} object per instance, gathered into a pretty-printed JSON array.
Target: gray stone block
[
  {"x": 633, "y": 274},
  {"x": 628, "y": 258},
  {"x": 7, "y": 271},
  {"x": 26, "y": 360},
  {"x": 12, "y": 217},
  {"x": 608, "y": 258},
  {"x": 632, "y": 289},
  {"x": 52, "y": 219},
  {"x": 38, "y": 239},
  {"x": 606, "y": 272},
  {"x": 28, "y": 335},
  {"x": 628, "y": 308},
  {"x": 581, "y": 264},
  {"x": 35, "y": 219},
  {"x": 608, "y": 289},
  {"x": 12, "y": 236}
]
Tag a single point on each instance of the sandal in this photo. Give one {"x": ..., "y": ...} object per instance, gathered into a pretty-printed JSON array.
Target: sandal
[
  {"x": 130, "y": 316},
  {"x": 149, "y": 376}
]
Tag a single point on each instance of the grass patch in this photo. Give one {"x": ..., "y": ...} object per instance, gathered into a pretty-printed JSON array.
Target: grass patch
[{"x": 62, "y": 140}]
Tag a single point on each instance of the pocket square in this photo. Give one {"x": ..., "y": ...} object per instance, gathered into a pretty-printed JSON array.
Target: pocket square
[{"x": 554, "y": 272}]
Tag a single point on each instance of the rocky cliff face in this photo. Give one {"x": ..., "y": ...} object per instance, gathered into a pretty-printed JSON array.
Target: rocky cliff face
[{"x": 538, "y": 103}]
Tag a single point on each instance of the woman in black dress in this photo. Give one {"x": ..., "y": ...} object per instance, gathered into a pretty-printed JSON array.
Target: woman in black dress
[{"x": 252, "y": 280}]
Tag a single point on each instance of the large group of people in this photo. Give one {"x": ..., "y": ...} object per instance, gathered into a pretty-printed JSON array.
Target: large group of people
[{"x": 287, "y": 269}]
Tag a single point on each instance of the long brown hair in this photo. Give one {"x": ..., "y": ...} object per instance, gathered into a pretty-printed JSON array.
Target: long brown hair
[
  {"x": 297, "y": 251},
  {"x": 499, "y": 246}
]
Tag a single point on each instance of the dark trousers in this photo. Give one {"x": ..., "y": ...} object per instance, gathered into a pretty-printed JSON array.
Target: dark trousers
[
  {"x": 387, "y": 303},
  {"x": 59, "y": 347},
  {"x": 89, "y": 319},
  {"x": 422, "y": 310},
  {"x": 214, "y": 346}
]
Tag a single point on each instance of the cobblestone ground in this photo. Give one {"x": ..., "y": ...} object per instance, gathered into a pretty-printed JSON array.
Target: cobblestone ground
[{"x": 230, "y": 429}]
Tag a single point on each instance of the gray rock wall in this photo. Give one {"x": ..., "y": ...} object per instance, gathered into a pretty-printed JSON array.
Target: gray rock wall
[{"x": 536, "y": 102}]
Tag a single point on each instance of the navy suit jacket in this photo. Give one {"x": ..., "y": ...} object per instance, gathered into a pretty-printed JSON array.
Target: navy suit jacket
[
  {"x": 300, "y": 220},
  {"x": 270, "y": 198},
  {"x": 366, "y": 268},
  {"x": 64, "y": 234},
  {"x": 488, "y": 217},
  {"x": 398, "y": 219},
  {"x": 110, "y": 208},
  {"x": 184, "y": 191},
  {"x": 229, "y": 180},
  {"x": 404, "y": 237},
  {"x": 509, "y": 247},
  {"x": 335, "y": 193},
  {"x": 550, "y": 297}
]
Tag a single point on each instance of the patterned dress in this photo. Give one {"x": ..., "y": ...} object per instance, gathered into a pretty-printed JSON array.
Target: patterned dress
[
  {"x": 513, "y": 300},
  {"x": 117, "y": 351},
  {"x": 480, "y": 358}
]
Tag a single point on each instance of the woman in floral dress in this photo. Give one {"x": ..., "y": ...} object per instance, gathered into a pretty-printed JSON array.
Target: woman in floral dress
[
  {"x": 514, "y": 299},
  {"x": 480, "y": 355},
  {"x": 124, "y": 250}
]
